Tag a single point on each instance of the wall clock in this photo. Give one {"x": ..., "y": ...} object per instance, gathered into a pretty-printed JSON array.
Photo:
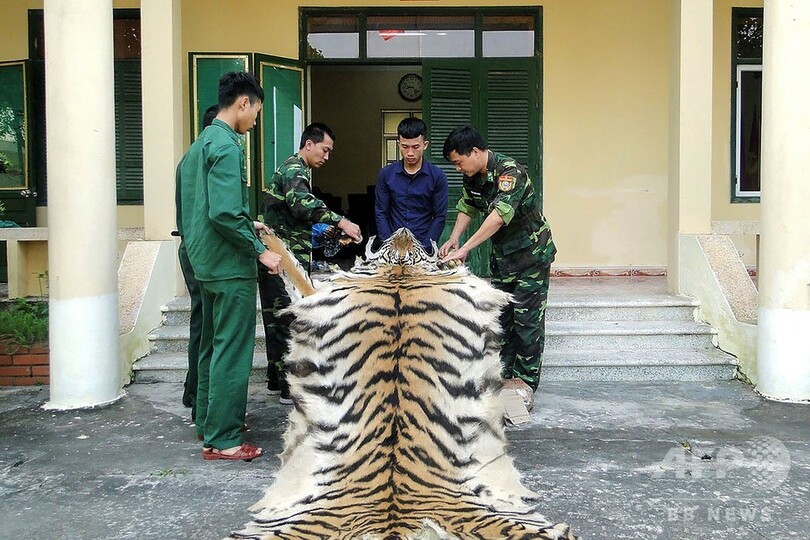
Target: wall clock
[{"x": 410, "y": 87}]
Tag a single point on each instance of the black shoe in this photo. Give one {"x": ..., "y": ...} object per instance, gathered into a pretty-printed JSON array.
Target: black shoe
[
  {"x": 285, "y": 398},
  {"x": 273, "y": 384},
  {"x": 189, "y": 392},
  {"x": 187, "y": 401}
]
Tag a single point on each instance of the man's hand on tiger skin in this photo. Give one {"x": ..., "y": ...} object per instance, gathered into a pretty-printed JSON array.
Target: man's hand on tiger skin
[
  {"x": 459, "y": 255},
  {"x": 352, "y": 230},
  {"x": 261, "y": 227},
  {"x": 271, "y": 260},
  {"x": 447, "y": 247}
]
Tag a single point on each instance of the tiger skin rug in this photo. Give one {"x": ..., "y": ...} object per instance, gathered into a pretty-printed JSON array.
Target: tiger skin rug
[{"x": 397, "y": 430}]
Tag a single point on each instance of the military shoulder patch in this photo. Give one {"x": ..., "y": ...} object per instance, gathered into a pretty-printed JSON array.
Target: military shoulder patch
[{"x": 506, "y": 183}]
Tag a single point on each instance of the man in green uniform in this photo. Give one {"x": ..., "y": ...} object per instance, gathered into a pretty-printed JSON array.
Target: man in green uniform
[
  {"x": 291, "y": 209},
  {"x": 220, "y": 238},
  {"x": 522, "y": 248}
]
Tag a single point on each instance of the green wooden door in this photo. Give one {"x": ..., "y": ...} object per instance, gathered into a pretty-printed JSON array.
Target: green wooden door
[
  {"x": 205, "y": 69},
  {"x": 16, "y": 181},
  {"x": 501, "y": 98},
  {"x": 281, "y": 121}
]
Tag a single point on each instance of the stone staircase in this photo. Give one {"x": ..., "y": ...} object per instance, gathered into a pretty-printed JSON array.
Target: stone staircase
[
  {"x": 628, "y": 329},
  {"x": 607, "y": 329},
  {"x": 168, "y": 359}
]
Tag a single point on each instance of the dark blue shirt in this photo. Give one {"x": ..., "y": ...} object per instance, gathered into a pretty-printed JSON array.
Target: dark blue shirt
[{"x": 417, "y": 202}]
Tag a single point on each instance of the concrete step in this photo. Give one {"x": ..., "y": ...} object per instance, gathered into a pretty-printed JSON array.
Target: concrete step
[
  {"x": 178, "y": 312},
  {"x": 616, "y": 300},
  {"x": 558, "y": 365},
  {"x": 640, "y": 365},
  {"x": 174, "y": 339},
  {"x": 630, "y": 311},
  {"x": 597, "y": 329},
  {"x": 562, "y": 307},
  {"x": 172, "y": 367},
  {"x": 559, "y": 335},
  {"x": 628, "y": 335}
]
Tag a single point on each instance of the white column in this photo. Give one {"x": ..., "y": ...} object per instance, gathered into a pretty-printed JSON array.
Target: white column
[
  {"x": 690, "y": 128},
  {"x": 783, "y": 355},
  {"x": 81, "y": 203},
  {"x": 162, "y": 84}
]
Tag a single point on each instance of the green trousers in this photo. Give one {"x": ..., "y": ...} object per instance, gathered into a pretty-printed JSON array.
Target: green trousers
[
  {"x": 226, "y": 355},
  {"x": 524, "y": 323},
  {"x": 195, "y": 325}
]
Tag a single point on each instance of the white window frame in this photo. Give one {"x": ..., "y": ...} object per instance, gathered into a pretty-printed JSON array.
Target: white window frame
[{"x": 738, "y": 135}]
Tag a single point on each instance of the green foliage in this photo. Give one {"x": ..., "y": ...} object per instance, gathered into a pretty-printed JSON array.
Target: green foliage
[
  {"x": 5, "y": 163},
  {"x": 8, "y": 120},
  {"x": 314, "y": 53},
  {"x": 24, "y": 323}
]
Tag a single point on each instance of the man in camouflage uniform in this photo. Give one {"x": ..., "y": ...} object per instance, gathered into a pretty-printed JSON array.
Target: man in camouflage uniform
[
  {"x": 522, "y": 248},
  {"x": 291, "y": 209}
]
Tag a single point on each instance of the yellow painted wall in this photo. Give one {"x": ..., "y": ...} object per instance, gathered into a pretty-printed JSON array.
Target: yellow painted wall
[
  {"x": 262, "y": 29},
  {"x": 605, "y": 86},
  {"x": 127, "y": 217},
  {"x": 14, "y": 28},
  {"x": 605, "y": 117},
  {"x": 604, "y": 107}
]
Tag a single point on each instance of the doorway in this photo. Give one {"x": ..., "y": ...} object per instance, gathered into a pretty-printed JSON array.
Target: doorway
[
  {"x": 359, "y": 102},
  {"x": 477, "y": 65}
]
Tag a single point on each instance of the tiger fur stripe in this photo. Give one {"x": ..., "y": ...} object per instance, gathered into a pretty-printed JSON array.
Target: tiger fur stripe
[{"x": 397, "y": 430}]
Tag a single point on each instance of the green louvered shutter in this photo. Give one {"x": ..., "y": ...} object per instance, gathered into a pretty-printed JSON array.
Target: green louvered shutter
[
  {"x": 451, "y": 99},
  {"x": 510, "y": 120},
  {"x": 128, "y": 132}
]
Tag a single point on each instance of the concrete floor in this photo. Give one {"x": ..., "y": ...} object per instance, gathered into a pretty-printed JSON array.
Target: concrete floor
[{"x": 615, "y": 460}]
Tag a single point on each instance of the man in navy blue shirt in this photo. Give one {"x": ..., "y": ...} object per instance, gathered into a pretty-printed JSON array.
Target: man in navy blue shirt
[{"x": 412, "y": 192}]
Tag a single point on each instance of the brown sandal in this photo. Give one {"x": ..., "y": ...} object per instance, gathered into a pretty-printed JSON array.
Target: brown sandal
[{"x": 246, "y": 452}]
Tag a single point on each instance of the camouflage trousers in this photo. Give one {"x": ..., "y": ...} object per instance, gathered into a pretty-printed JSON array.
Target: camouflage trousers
[
  {"x": 524, "y": 323},
  {"x": 273, "y": 297}
]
